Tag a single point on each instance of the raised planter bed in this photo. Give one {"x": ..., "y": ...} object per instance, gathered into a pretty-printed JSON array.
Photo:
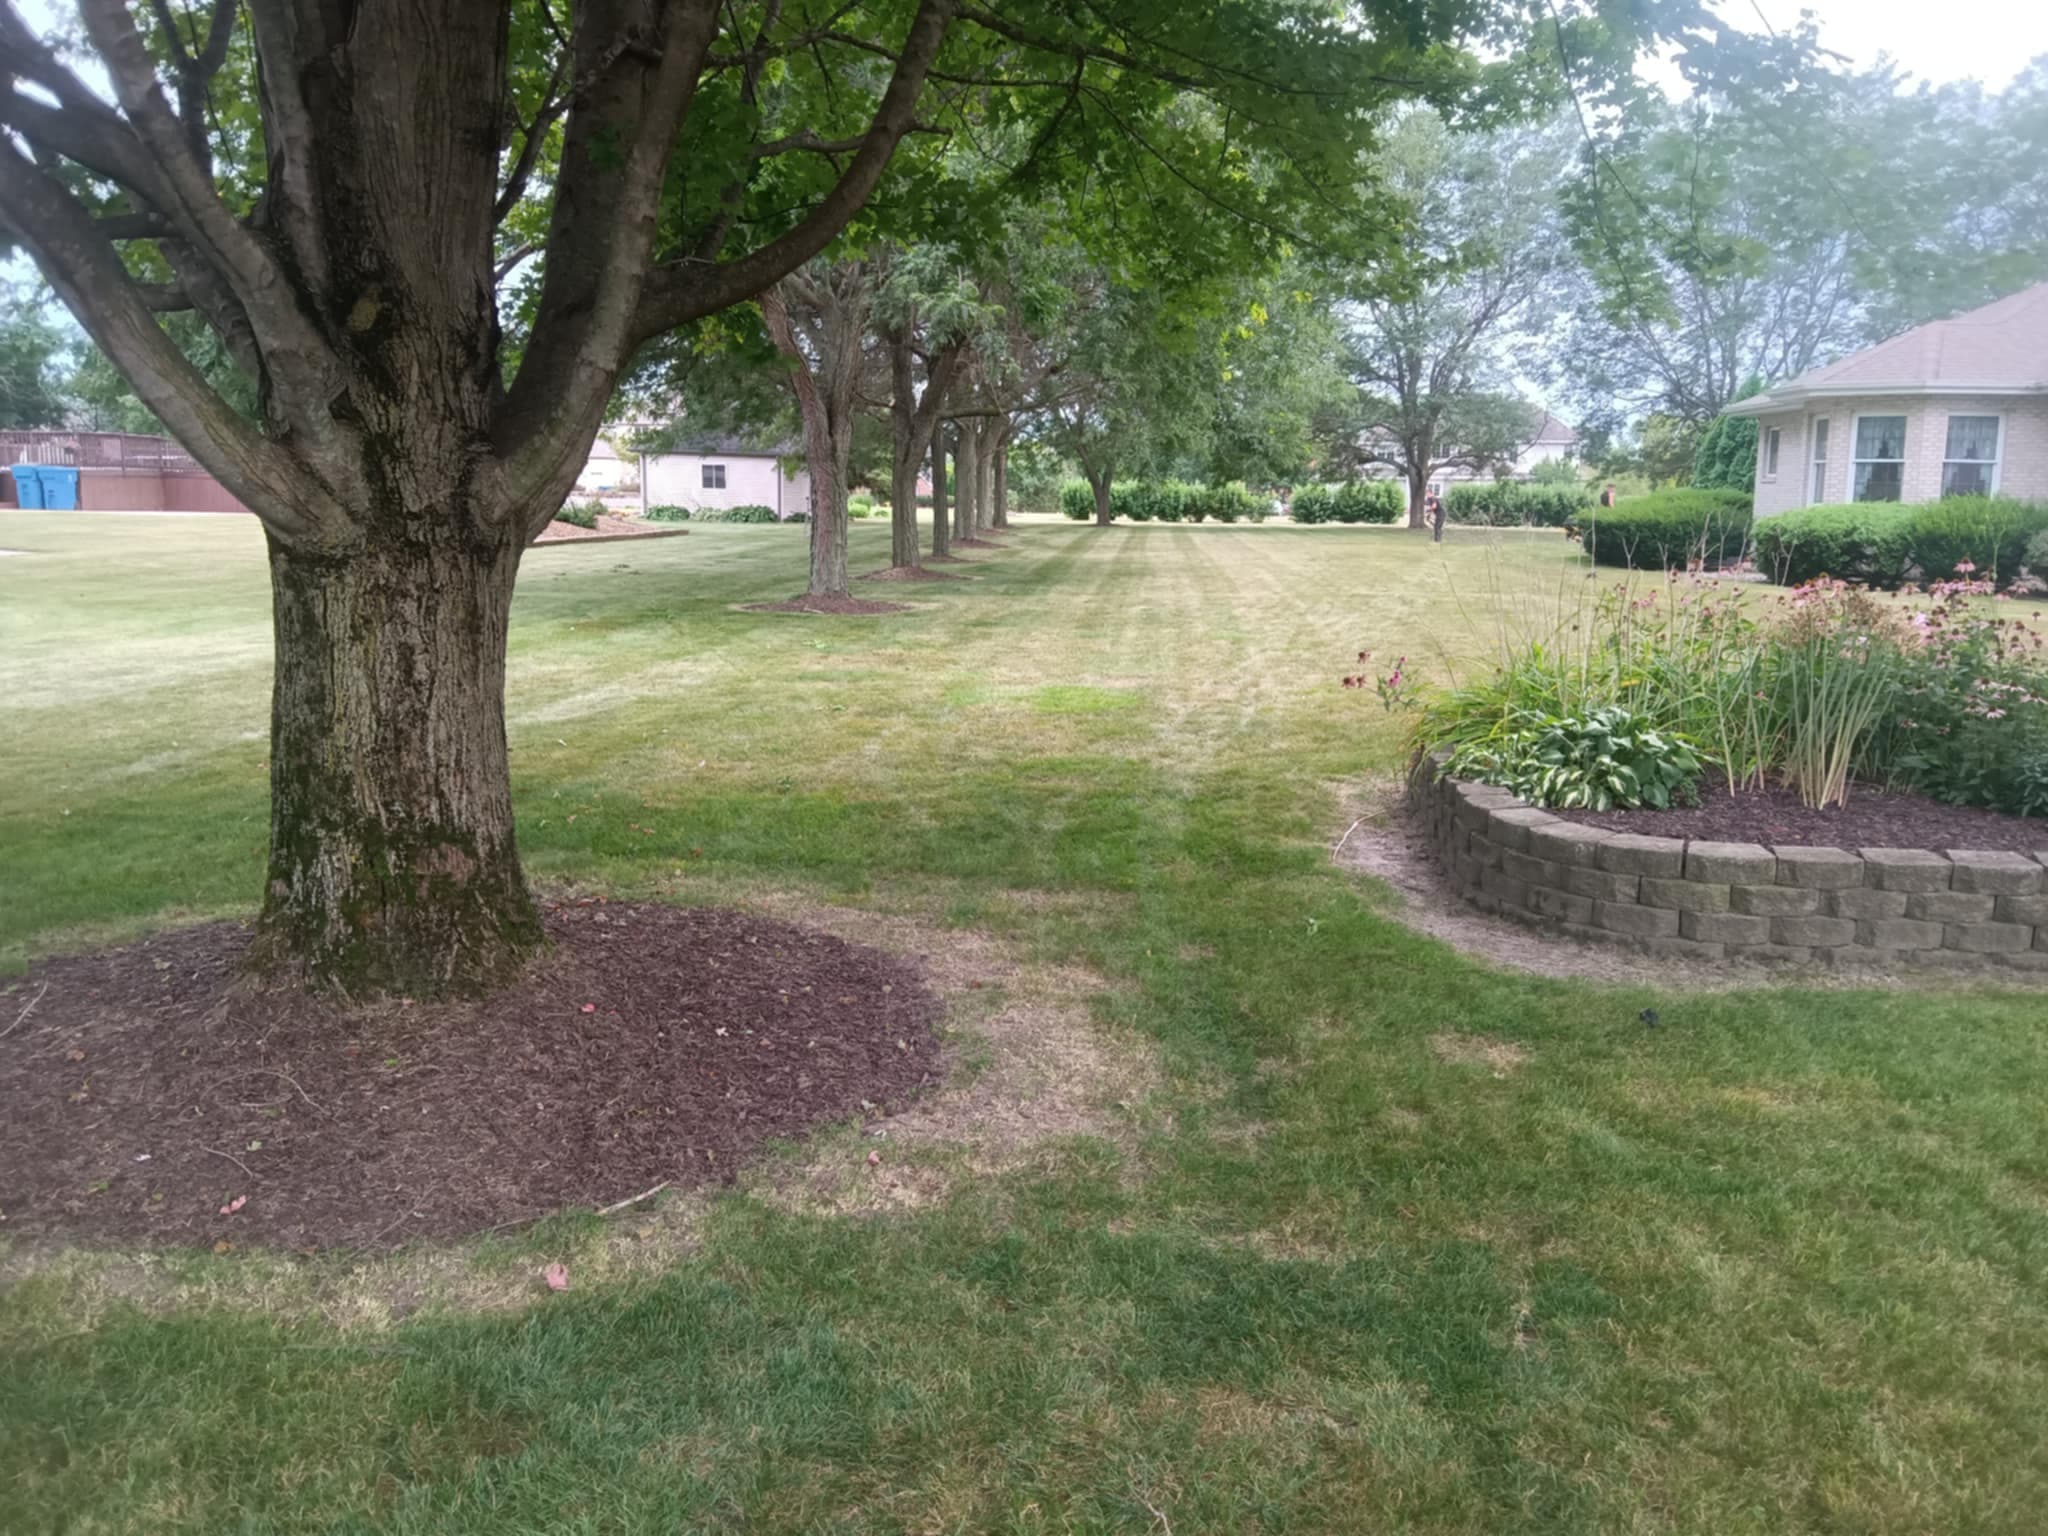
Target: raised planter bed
[{"x": 1784, "y": 902}]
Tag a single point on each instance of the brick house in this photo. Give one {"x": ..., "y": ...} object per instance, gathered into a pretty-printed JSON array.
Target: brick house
[{"x": 1958, "y": 407}]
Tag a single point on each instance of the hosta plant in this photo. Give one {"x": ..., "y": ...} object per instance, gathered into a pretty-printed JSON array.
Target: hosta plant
[{"x": 1606, "y": 759}]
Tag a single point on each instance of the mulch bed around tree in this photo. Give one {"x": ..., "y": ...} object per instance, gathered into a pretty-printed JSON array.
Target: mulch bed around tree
[
  {"x": 910, "y": 573},
  {"x": 979, "y": 544},
  {"x": 1871, "y": 819},
  {"x": 148, "y": 1087},
  {"x": 827, "y": 605}
]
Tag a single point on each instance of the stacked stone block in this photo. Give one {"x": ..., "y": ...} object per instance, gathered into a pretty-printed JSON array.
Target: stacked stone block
[{"x": 1876, "y": 907}]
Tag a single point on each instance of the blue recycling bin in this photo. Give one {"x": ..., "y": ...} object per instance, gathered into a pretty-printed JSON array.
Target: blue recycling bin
[
  {"x": 60, "y": 487},
  {"x": 28, "y": 485}
]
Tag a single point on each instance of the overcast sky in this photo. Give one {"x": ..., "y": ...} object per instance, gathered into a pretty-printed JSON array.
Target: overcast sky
[{"x": 1935, "y": 40}]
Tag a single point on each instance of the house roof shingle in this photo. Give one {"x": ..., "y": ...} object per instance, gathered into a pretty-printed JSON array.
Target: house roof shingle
[{"x": 2000, "y": 349}]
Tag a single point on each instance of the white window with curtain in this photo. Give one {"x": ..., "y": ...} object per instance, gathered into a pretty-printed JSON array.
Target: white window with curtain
[
  {"x": 714, "y": 477},
  {"x": 1820, "y": 462},
  {"x": 1969, "y": 466},
  {"x": 1773, "y": 439},
  {"x": 1880, "y": 458}
]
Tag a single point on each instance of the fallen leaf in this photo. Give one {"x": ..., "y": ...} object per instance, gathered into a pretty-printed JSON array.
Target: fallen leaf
[
  {"x": 234, "y": 1205},
  {"x": 874, "y": 1159},
  {"x": 223, "y": 1246},
  {"x": 590, "y": 1007},
  {"x": 75, "y": 1056},
  {"x": 556, "y": 1276},
  {"x": 255, "y": 1146}
]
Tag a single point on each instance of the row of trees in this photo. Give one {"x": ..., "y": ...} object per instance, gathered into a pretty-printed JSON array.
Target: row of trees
[
  {"x": 431, "y": 239},
  {"x": 384, "y": 269}
]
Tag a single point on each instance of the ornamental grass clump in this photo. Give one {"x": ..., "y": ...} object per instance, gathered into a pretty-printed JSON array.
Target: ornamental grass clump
[{"x": 1835, "y": 670}]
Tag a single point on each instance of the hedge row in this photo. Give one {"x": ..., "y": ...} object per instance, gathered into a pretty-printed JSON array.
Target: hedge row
[
  {"x": 1668, "y": 528},
  {"x": 752, "y": 514},
  {"x": 1166, "y": 501},
  {"x": 1883, "y": 544},
  {"x": 1351, "y": 501},
  {"x": 1513, "y": 504}
]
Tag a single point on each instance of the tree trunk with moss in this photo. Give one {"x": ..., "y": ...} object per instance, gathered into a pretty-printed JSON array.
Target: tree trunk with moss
[{"x": 393, "y": 864}]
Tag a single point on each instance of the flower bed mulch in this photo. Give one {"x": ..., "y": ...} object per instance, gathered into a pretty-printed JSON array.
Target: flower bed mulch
[
  {"x": 609, "y": 526},
  {"x": 1871, "y": 819},
  {"x": 145, "y": 1088}
]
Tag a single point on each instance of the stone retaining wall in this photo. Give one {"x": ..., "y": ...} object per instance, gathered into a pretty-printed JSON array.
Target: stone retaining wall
[{"x": 1874, "y": 907}]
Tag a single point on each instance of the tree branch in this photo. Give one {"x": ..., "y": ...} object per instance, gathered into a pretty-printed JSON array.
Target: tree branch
[
  {"x": 676, "y": 295},
  {"x": 87, "y": 273}
]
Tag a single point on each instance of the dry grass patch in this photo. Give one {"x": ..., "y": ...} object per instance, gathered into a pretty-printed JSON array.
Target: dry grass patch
[{"x": 1500, "y": 1057}]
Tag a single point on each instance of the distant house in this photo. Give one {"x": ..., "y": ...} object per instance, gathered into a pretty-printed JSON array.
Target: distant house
[
  {"x": 1956, "y": 408},
  {"x": 724, "y": 472},
  {"x": 1554, "y": 440}
]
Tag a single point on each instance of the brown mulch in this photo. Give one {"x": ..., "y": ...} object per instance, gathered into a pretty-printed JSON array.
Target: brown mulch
[
  {"x": 1871, "y": 819},
  {"x": 148, "y": 1088},
  {"x": 946, "y": 560},
  {"x": 827, "y": 605},
  {"x": 910, "y": 573},
  {"x": 609, "y": 526},
  {"x": 979, "y": 544}
]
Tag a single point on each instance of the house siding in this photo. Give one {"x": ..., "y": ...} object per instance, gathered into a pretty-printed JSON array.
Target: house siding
[
  {"x": 677, "y": 480},
  {"x": 2023, "y": 446}
]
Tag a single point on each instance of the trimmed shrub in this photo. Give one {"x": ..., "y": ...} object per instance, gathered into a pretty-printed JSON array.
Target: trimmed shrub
[
  {"x": 582, "y": 514},
  {"x": 1884, "y": 544},
  {"x": 1990, "y": 533},
  {"x": 668, "y": 513},
  {"x": 751, "y": 514},
  {"x": 1668, "y": 529},
  {"x": 1235, "y": 502},
  {"x": 1077, "y": 500},
  {"x": 1350, "y": 501},
  {"x": 1512, "y": 504},
  {"x": 2037, "y": 555},
  {"x": 1870, "y": 543}
]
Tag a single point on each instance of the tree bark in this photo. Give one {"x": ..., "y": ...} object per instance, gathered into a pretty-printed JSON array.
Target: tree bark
[
  {"x": 1103, "y": 515},
  {"x": 984, "y": 476},
  {"x": 393, "y": 865},
  {"x": 1417, "y": 452},
  {"x": 823, "y": 378},
  {"x": 941, "y": 543},
  {"x": 967, "y": 457},
  {"x": 999, "y": 508},
  {"x": 905, "y": 452}
]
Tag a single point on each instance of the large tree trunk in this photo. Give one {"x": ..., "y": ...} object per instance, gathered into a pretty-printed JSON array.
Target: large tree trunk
[
  {"x": 984, "y": 475},
  {"x": 828, "y": 530},
  {"x": 941, "y": 543},
  {"x": 999, "y": 509},
  {"x": 393, "y": 865},
  {"x": 833, "y": 303},
  {"x": 905, "y": 452},
  {"x": 1103, "y": 515},
  {"x": 1418, "y": 488},
  {"x": 967, "y": 457}
]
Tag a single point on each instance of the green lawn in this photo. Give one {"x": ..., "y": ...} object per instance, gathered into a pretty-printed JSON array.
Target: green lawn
[{"x": 1775, "y": 1266}]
